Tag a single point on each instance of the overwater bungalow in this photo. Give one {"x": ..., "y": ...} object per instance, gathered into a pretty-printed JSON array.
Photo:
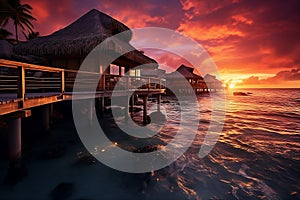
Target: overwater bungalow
[
  {"x": 68, "y": 47},
  {"x": 198, "y": 84},
  {"x": 212, "y": 83},
  {"x": 195, "y": 80},
  {"x": 49, "y": 66}
]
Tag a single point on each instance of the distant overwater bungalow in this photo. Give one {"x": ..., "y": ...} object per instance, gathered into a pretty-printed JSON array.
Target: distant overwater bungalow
[{"x": 198, "y": 84}]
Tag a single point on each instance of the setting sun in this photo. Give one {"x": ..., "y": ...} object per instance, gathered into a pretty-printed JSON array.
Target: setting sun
[{"x": 231, "y": 85}]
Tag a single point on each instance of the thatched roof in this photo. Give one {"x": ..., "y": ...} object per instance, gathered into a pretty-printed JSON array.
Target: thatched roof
[
  {"x": 187, "y": 72},
  {"x": 212, "y": 79},
  {"x": 82, "y": 36}
]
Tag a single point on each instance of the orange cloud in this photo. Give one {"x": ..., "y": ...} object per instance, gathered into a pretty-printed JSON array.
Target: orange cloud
[
  {"x": 291, "y": 76},
  {"x": 133, "y": 17},
  {"x": 187, "y": 4},
  {"x": 241, "y": 19},
  {"x": 194, "y": 30},
  {"x": 204, "y": 7},
  {"x": 127, "y": 17}
]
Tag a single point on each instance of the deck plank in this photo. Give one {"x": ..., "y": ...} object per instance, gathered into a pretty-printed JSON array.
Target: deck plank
[{"x": 9, "y": 103}]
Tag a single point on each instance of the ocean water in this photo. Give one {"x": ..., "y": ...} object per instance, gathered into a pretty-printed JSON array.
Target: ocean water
[{"x": 257, "y": 155}]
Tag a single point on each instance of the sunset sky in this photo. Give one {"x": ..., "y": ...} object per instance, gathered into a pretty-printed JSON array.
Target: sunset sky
[{"x": 254, "y": 43}]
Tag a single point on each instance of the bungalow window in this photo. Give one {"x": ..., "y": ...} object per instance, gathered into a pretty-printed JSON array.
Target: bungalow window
[
  {"x": 135, "y": 72},
  {"x": 114, "y": 69},
  {"x": 132, "y": 72},
  {"x": 101, "y": 69},
  {"x": 138, "y": 72},
  {"x": 122, "y": 71}
]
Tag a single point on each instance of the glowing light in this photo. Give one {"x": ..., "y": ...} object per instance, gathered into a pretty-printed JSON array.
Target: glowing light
[{"x": 231, "y": 85}]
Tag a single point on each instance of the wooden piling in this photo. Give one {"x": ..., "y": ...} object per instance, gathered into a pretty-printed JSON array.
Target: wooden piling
[
  {"x": 46, "y": 118},
  {"x": 102, "y": 105},
  {"x": 158, "y": 102},
  {"x": 127, "y": 108},
  {"x": 15, "y": 135},
  {"x": 91, "y": 111},
  {"x": 51, "y": 114},
  {"x": 145, "y": 117},
  {"x": 14, "y": 140},
  {"x": 131, "y": 103}
]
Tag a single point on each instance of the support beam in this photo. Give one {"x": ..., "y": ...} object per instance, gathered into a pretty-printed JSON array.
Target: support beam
[
  {"x": 145, "y": 117},
  {"x": 131, "y": 99},
  {"x": 102, "y": 105},
  {"x": 21, "y": 83},
  {"x": 91, "y": 111},
  {"x": 158, "y": 102},
  {"x": 127, "y": 108},
  {"x": 103, "y": 82},
  {"x": 128, "y": 86},
  {"x": 51, "y": 113},
  {"x": 135, "y": 98},
  {"x": 16, "y": 170},
  {"x": 62, "y": 84},
  {"x": 46, "y": 118},
  {"x": 21, "y": 86},
  {"x": 14, "y": 140}
]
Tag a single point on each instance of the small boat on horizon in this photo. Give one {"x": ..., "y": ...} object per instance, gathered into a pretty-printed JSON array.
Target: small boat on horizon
[{"x": 241, "y": 93}]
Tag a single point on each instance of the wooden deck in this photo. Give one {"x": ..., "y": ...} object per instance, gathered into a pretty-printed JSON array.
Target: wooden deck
[{"x": 23, "y": 86}]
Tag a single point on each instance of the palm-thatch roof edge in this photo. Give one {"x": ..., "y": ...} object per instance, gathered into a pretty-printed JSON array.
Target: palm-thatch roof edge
[{"x": 81, "y": 37}]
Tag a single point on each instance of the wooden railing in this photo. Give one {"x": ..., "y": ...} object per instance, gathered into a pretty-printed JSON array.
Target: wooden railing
[
  {"x": 23, "y": 78},
  {"x": 23, "y": 86}
]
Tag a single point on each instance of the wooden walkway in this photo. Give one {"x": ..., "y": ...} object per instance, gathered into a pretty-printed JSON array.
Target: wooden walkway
[{"x": 23, "y": 86}]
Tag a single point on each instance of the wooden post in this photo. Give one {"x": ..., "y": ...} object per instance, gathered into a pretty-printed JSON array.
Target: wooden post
[
  {"x": 127, "y": 108},
  {"x": 51, "y": 113},
  {"x": 135, "y": 98},
  {"x": 145, "y": 117},
  {"x": 16, "y": 170},
  {"x": 158, "y": 102},
  {"x": 14, "y": 140},
  {"x": 62, "y": 89},
  {"x": 102, "y": 105},
  {"x": 14, "y": 137},
  {"x": 131, "y": 103},
  {"x": 91, "y": 111},
  {"x": 46, "y": 118},
  {"x": 128, "y": 82},
  {"x": 103, "y": 82},
  {"x": 149, "y": 84},
  {"x": 21, "y": 86}
]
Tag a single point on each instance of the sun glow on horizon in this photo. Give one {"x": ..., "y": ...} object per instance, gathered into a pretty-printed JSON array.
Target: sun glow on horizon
[{"x": 231, "y": 85}]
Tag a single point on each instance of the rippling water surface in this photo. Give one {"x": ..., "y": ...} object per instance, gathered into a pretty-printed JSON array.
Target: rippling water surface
[{"x": 257, "y": 155}]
